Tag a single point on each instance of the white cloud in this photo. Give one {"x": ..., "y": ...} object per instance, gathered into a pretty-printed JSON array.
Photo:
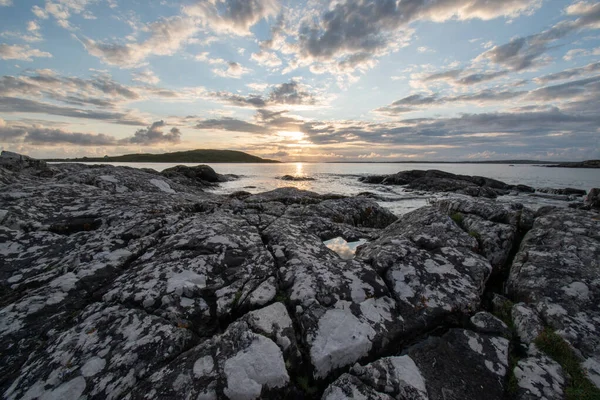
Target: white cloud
[
  {"x": 266, "y": 58},
  {"x": 145, "y": 76},
  {"x": 5, "y": 3},
  {"x": 233, "y": 70},
  {"x": 167, "y": 36},
  {"x": 234, "y": 17},
  {"x": 23, "y": 53}
]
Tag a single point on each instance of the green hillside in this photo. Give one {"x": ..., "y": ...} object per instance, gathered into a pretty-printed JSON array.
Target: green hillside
[{"x": 191, "y": 156}]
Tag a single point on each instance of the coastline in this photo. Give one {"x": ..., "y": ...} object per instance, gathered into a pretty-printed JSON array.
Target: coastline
[{"x": 162, "y": 276}]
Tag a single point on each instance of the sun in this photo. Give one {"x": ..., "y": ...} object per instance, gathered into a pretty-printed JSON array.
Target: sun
[{"x": 292, "y": 135}]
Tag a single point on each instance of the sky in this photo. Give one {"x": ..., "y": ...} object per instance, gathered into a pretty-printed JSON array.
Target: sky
[{"x": 340, "y": 80}]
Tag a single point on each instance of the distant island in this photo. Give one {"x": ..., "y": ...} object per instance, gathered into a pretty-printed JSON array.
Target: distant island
[
  {"x": 191, "y": 156},
  {"x": 582, "y": 164}
]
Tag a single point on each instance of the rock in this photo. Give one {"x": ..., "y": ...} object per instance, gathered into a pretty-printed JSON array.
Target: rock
[
  {"x": 103, "y": 356},
  {"x": 296, "y": 178},
  {"x": 238, "y": 364},
  {"x": 592, "y": 200},
  {"x": 556, "y": 273},
  {"x": 539, "y": 377},
  {"x": 527, "y": 323},
  {"x": 465, "y": 356},
  {"x": 386, "y": 378},
  {"x": 431, "y": 267},
  {"x": 198, "y": 175},
  {"x": 484, "y": 322},
  {"x": 440, "y": 181},
  {"x": 25, "y": 165},
  {"x": 563, "y": 191}
]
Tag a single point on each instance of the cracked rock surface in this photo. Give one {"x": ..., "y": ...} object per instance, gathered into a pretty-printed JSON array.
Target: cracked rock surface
[{"x": 120, "y": 283}]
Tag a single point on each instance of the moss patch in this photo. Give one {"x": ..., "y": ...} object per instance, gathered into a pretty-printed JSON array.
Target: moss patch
[
  {"x": 458, "y": 218},
  {"x": 579, "y": 386}
]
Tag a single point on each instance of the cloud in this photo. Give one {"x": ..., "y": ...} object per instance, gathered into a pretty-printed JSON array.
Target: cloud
[
  {"x": 354, "y": 32},
  {"x": 5, "y": 3},
  {"x": 234, "y": 17},
  {"x": 145, "y": 76},
  {"x": 167, "y": 36},
  {"x": 285, "y": 94},
  {"x": 62, "y": 10},
  {"x": 19, "y": 105},
  {"x": 291, "y": 93},
  {"x": 39, "y": 135},
  {"x": 569, "y": 73},
  {"x": 233, "y": 70},
  {"x": 524, "y": 53},
  {"x": 266, "y": 58},
  {"x": 22, "y": 53},
  {"x": 230, "y": 124},
  {"x": 154, "y": 135}
]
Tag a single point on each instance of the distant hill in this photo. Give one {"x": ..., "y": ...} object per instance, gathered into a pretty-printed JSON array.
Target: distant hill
[
  {"x": 582, "y": 164},
  {"x": 191, "y": 156}
]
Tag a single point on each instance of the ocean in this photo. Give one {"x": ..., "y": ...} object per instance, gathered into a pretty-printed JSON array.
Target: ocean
[{"x": 343, "y": 178}]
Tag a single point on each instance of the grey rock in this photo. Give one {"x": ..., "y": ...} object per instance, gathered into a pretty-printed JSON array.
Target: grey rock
[
  {"x": 296, "y": 178},
  {"x": 556, "y": 272},
  {"x": 539, "y": 377},
  {"x": 527, "y": 323},
  {"x": 563, "y": 191},
  {"x": 431, "y": 267},
  {"x": 440, "y": 181},
  {"x": 484, "y": 322},
  {"x": 592, "y": 200}
]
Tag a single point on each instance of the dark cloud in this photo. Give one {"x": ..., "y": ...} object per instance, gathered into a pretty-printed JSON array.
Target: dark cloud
[
  {"x": 232, "y": 16},
  {"x": 527, "y": 52},
  {"x": 480, "y": 77},
  {"x": 287, "y": 93},
  {"x": 453, "y": 73},
  {"x": 231, "y": 124},
  {"x": 44, "y": 136},
  {"x": 290, "y": 93},
  {"x": 40, "y": 135},
  {"x": 355, "y": 28},
  {"x": 154, "y": 135},
  {"x": 568, "y": 90},
  {"x": 415, "y": 101},
  {"x": 569, "y": 73},
  {"x": 19, "y": 105}
]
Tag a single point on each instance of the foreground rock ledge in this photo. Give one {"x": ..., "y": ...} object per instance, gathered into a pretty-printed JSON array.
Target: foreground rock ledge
[{"x": 123, "y": 283}]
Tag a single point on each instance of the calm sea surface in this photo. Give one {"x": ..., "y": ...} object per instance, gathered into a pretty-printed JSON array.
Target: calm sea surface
[{"x": 343, "y": 179}]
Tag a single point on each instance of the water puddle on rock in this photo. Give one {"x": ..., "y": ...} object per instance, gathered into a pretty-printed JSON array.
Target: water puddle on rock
[{"x": 344, "y": 249}]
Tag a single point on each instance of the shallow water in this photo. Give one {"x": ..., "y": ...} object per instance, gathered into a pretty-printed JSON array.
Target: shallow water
[
  {"x": 342, "y": 178},
  {"x": 345, "y": 250}
]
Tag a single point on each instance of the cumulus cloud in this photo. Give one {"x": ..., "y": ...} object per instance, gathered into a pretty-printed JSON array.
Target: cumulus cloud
[
  {"x": 233, "y": 70},
  {"x": 289, "y": 93},
  {"x": 145, "y": 76},
  {"x": 154, "y": 135},
  {"x": 62, "y": 10},
  {"x": 353, "y": 32},
  {"x": 529, "y": 52},
  {"x": 5, "y": 3},
  {"x": 232, "y": 16},
  {"x": 166, "y": 37},
  {"x": 266, "y": 58},
  {"x": 22, "y": 53}
]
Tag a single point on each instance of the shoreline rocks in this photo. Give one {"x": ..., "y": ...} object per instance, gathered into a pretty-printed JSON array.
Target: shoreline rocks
[
  {"x": 125, "y": 283},
  {"x": 440, "y": 181}
]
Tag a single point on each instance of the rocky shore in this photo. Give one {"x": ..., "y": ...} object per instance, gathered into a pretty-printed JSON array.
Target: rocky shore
[{"x": 119, "y": 283}]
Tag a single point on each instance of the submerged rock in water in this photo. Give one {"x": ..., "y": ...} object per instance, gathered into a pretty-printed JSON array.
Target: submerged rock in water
[
  {"x": 296, "y": 178},
  {"x": 122, "y": 283}
]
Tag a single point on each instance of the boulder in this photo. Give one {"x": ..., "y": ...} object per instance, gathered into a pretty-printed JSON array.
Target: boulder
[
  {"x": 592, "y": 200},
  {"x": 556, "y": 274},
  {"x": 465, "y": 357},
  {"x": 197, "y": 175},
  {"x": 296, "y": 178}
]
